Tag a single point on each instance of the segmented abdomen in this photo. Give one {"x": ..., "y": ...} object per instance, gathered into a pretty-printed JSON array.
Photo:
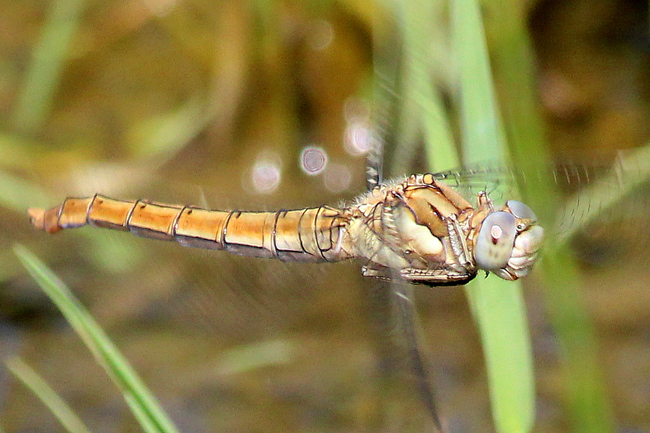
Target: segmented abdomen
[{"x": 310, "y": 234}]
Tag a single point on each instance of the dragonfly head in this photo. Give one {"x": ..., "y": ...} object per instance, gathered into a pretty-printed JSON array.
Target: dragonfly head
[{"x": 508, "y": 241}]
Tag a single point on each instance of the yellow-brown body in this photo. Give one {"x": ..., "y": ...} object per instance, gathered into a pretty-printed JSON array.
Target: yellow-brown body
[{"x": 419, "y": 230}]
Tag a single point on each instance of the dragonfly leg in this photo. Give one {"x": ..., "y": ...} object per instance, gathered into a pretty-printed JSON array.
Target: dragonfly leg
[{"x": 442, "y": 276}]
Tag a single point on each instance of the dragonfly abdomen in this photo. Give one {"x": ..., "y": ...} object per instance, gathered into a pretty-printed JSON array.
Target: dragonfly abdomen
[{"x": 310, "y": 234}]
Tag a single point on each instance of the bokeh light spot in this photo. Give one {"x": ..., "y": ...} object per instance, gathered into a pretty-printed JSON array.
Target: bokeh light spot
[
  {"x": 359, "y": 138},
  {"x": 160, "y": 8},
  {"x": 337, "y": 178},
  {"x": 313, "y": 160},
  {"x": 267, "y": 172},
  {"x": 320, "y": 35}
]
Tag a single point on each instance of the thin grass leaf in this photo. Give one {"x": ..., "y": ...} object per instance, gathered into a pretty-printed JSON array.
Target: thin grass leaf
[
  {"x": 48, "y": 60},
  {"x": 387, "y": 89},
  {"x": 482, "y": 133},
  {"x": 497, "y": 305},
  {"x": 425, "y": 109},
  {"x": 255, "y": 356},
  {"x": 141, "y": 402},
  {"x": 47, "y": 395},
  {"x": 17, "y": 194},
  {"x": 499, "y": 311},
  {"x": 165, "y": 135}
]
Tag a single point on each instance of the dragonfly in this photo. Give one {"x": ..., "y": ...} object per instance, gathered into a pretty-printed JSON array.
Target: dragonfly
[{"x": 417, "y": 230}]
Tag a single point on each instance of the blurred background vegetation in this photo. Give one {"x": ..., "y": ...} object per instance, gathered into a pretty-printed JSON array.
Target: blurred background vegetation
[{"x": 212, "y": 103}]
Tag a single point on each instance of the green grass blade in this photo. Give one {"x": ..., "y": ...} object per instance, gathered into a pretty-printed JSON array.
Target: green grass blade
[
  {"x": 142, "y": 403},
  {"x": 48, "y": 60},
  {"x": 426, "y": 108},
  {"x": 15, "y": 193},
  {"x": 47, "y": 395},
  {"x": 482, "y": 134},
  {"x": 499, "y": 310},
  {"x": 497, "y": 305}
]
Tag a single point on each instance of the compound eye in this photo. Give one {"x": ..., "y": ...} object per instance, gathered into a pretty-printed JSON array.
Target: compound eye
[
  {"x": 496, "y": 240},
  {"x": 520, "y": 210}
]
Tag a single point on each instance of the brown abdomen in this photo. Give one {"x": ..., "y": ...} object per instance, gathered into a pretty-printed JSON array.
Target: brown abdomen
[{"x": 311, "y": 234}]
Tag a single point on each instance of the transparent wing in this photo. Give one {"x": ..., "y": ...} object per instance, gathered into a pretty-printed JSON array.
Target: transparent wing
[
  {"x": 604, "y": 209},
  {"x": 405, "y": 380}
]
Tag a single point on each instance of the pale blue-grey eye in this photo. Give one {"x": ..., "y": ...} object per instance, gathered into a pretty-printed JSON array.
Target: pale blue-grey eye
[
  {"x": 495, "y": 241},
  {"x": 520, "y": 210}
]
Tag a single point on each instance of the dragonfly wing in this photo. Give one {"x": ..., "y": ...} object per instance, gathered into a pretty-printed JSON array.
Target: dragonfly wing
[
  {"x": 404, "y": 371},
  {"x": 600, "y": 208}
]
